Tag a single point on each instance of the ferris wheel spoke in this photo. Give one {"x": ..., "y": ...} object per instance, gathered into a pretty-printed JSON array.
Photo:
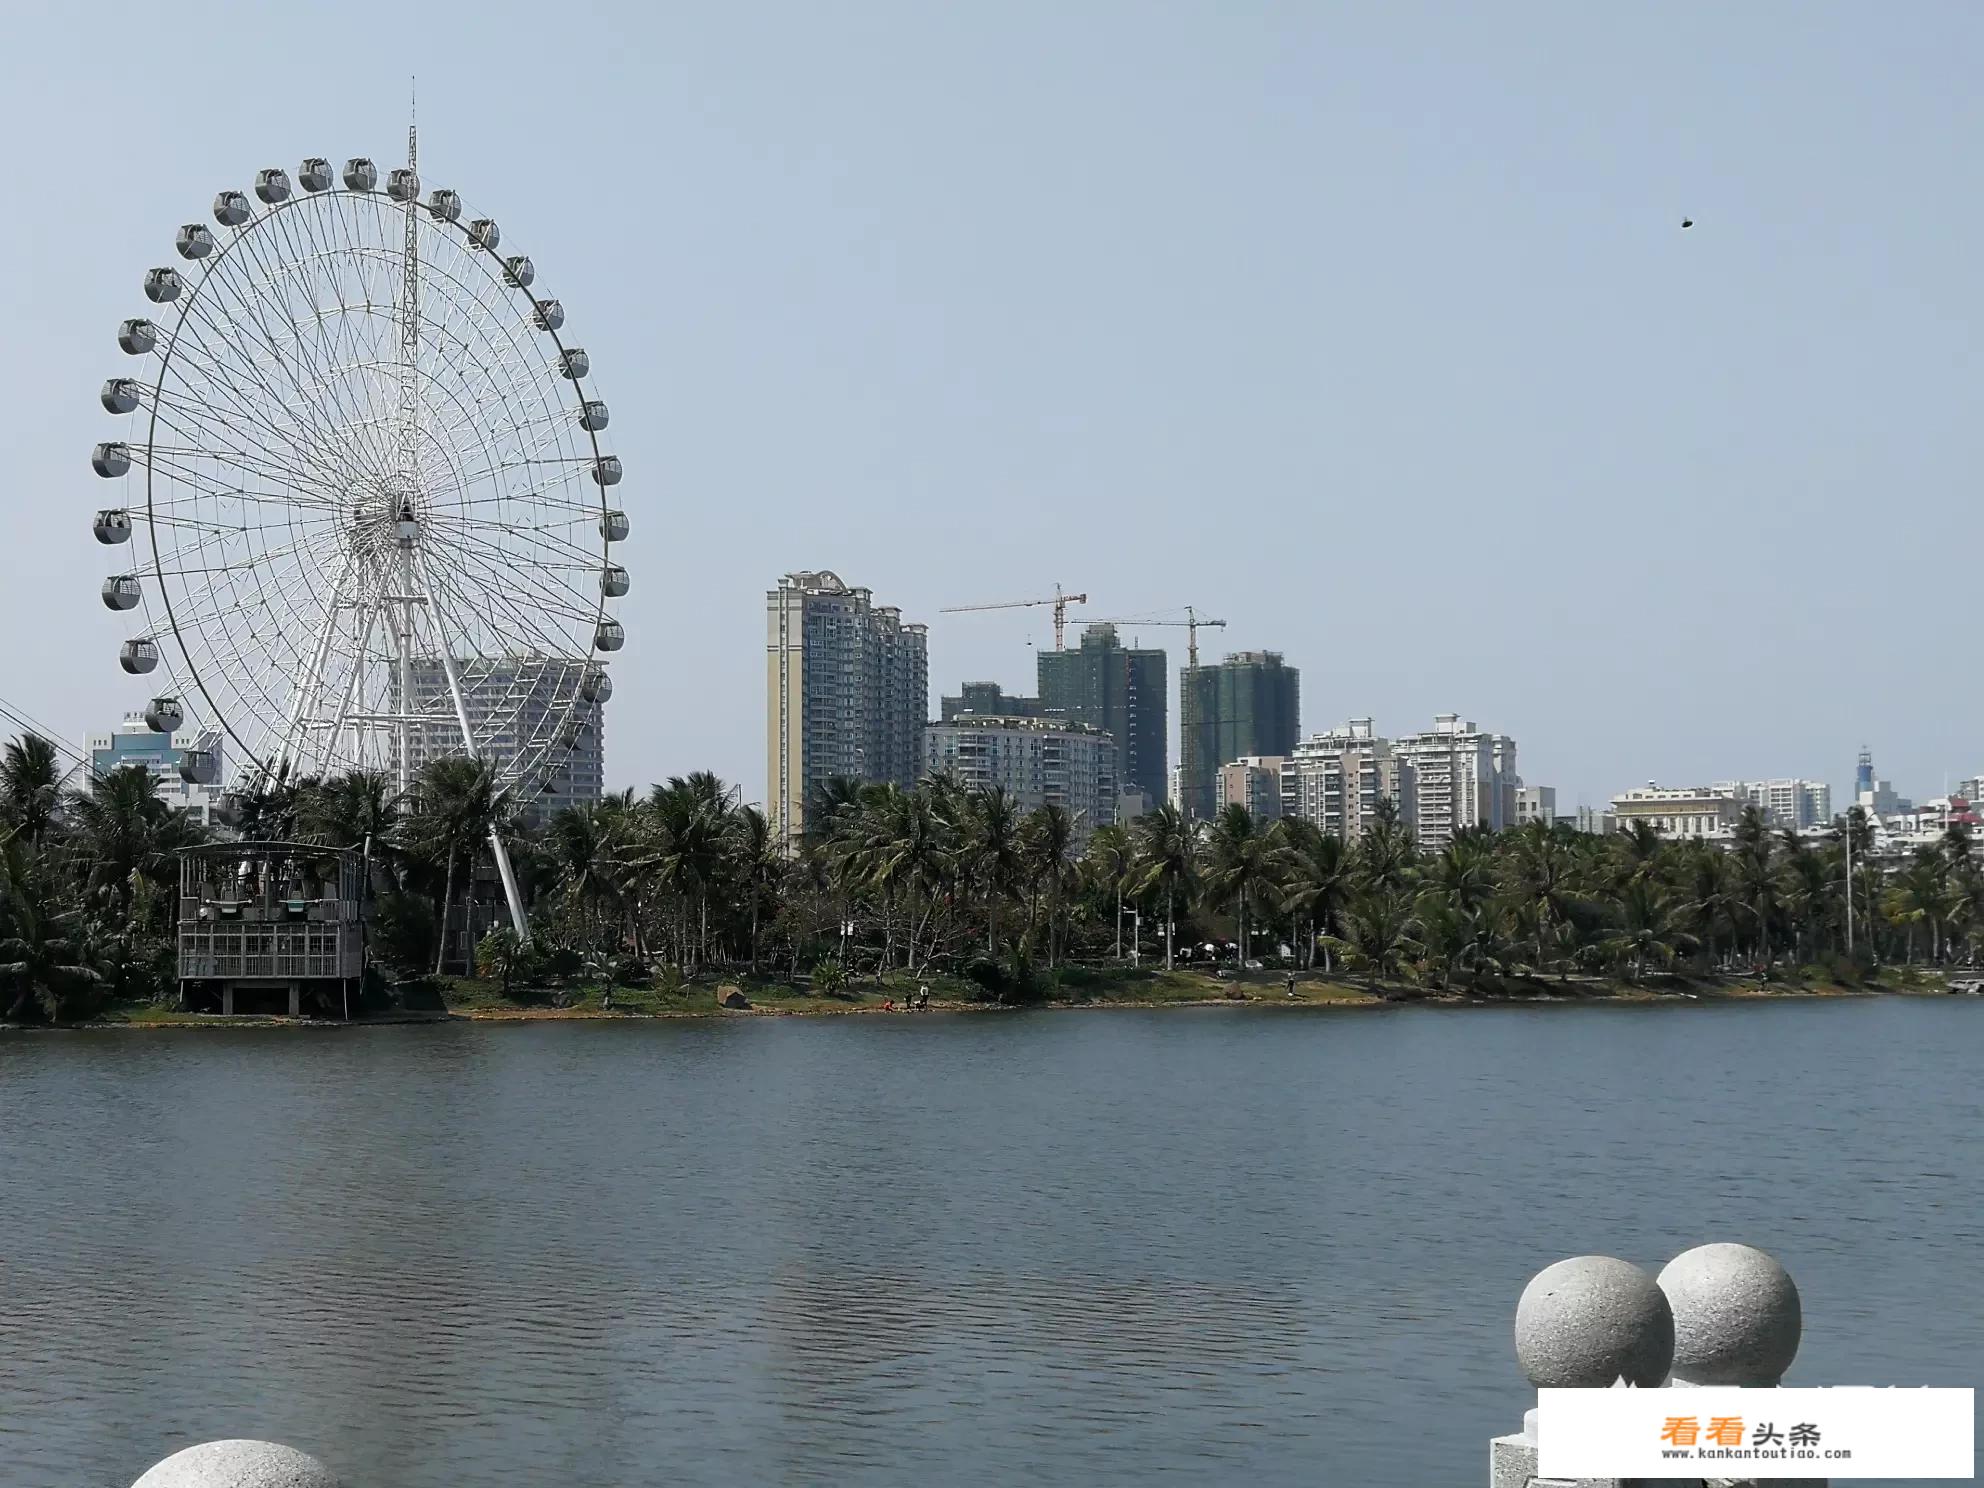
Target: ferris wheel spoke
[
  {"x": 253, "y": 408},
  {"x": 313, "y": 258},
  {"x": 235, "y": 356},
  {"x": 306, "y": 347},
  {"x": 477, "y": 548}
]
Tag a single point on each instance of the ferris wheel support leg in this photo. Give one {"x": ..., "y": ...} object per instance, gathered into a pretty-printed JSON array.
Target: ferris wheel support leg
[
  {"x": 311, "y": 682},
  {"x": 518, "y": 920}
]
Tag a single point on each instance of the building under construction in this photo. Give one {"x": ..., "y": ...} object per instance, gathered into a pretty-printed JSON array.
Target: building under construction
[
  {"x": 1248, "y": 705},
  {"x": 1121, "y": 690}
]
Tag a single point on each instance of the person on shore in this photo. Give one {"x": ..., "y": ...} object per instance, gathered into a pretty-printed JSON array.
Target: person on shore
[
  {"x": 1291, "y": 984},
  {"x": 889, "y": 1006}
]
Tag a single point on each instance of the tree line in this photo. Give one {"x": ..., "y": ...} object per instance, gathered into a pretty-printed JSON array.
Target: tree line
[{"x": 941, "y": 879}]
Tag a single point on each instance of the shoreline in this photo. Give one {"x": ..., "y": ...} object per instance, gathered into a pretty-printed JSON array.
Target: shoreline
[{"x": 824, "y": 1008}]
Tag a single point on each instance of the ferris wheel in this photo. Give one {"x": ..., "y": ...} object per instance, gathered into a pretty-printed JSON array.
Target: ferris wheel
[{"x": 370, "y": 516}]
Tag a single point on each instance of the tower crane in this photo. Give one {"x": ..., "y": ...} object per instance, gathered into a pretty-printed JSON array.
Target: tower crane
[
  {"x": 1191, "y": 624},
  {"x": 1059, "y": 601}
]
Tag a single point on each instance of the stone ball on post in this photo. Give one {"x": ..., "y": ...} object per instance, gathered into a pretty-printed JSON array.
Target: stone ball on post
[
  {"x": 1736, "y": 1316},
  {"x": 239, "y": 1464},
  {"x": 1591, "y": 1321}
]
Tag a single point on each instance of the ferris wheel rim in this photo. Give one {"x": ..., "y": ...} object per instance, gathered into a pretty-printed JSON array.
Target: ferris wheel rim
[{"x": 530, "y": 768}]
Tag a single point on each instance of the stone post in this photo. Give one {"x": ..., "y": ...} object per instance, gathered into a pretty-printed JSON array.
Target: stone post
[
  {"x": 1586, "y": 1323},
  {"x": 238, "y": 1464},
  {"x": 1737, "y": 1321}
]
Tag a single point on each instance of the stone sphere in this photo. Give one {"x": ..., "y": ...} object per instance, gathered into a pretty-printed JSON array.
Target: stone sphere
[
  {"x": 1588, "y": 1322},
  {"x": 1736, "y": 1316},
  {"x": 238, "y": 1464}
]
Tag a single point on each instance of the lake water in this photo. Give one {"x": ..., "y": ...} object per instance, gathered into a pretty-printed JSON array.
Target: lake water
[{"x": 1207, "y": 1247}]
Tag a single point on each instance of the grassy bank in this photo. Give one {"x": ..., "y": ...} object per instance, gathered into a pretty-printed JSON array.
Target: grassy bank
[{"x": 1070, "y": 987}]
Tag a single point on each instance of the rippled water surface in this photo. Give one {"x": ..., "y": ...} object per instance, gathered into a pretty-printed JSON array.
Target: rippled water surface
[{"x": 1220, "y": 1246}]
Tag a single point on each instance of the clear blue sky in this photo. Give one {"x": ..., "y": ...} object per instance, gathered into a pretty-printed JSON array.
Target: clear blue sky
[{"x": 1370, "y": 328}]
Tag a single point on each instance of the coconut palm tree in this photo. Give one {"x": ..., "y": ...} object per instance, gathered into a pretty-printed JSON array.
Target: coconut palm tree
[
  {"x": 1111, "y": 864},
  {"x": 456, "y": 809},
  {"x": 1649, "y": 930},
  {"x": 1169, "y": 858},
  {"x": 757, "y": 865},
  {"x": 1542, "y": 877},
  {"x": 124, "y": 838},
  {"x": 1049, "y": 849},
  {"x": 580, "y": 847},
  {"x": 1242, "y": 859},
  {"x": 44, "y": 964},
  {"x": 1381, "y": 933},
  {"x": 993, "y": 853},
  {"x": 30, "y": 786},
  {"x": 1385, "y": 851},
  {"x": 1317, "y": 876}
]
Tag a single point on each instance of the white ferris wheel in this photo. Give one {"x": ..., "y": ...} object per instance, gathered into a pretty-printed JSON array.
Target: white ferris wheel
[{"x": 370, "y": 517}]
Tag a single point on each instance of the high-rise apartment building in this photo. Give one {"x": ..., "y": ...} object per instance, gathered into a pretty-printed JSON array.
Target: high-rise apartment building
[
  {"x": 1793, "y": 804},
  {"x": 517, "y": 705},
  {"x": 134, "y": 742},
  {"x": 847, "y": 693},
  {"x": 1337, "y": 779},
  {"x": 1253, "y": 781},
  {"x": 1107, "y": 686},
  {"x": 1036, "y": 761},
  {"x": 1461, "y": 777},
  {"x": 1248, "y": 704}
]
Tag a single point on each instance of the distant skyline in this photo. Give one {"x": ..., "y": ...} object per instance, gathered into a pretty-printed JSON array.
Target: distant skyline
[{"x": 1372, "y": 330}]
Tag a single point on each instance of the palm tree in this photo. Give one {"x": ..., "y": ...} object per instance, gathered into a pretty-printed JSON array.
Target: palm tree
[
  {"x": 125, "y": 835},
  {"x": 456, "y": 810},
  {"x": 1648, "y": 930},
  {"x": 1049, "y": 849},
  {"x": 1640, "y": 850},
  {"x": 1169, "y": 858},
  {"x": 350, "y": 810},
  {"x": 1386, "y": 850},
  {"x": 758, "y": 864},
  {"x": 1111, "y": 862},
  {"x": 1241, "y": 864},
  {"x": 1316, "y": 876},
  {"x": 1542, "y": 873},
  {"x": 1753, "y": 855},
  {"x": 30, "y": 786},
  {"x": 43, "y": 961},
  {"x": 993, "y": 849},
  {"x": 1379, "y": 928},
  {"x": 580, "y": 844}
]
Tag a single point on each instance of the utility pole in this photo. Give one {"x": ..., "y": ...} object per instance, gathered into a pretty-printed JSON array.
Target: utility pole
[{"x": 1849, "y": 883}]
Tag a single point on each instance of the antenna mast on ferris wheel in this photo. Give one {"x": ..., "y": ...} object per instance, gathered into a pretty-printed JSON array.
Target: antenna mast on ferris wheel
[{"x": 409, "y": 444}]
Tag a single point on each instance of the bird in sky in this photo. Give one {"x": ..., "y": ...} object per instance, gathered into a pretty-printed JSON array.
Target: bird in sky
[{"x": 1687, "y": 222}]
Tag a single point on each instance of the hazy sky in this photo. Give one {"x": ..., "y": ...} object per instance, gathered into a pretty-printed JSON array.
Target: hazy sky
[{"x": 1370, "y": 328}]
